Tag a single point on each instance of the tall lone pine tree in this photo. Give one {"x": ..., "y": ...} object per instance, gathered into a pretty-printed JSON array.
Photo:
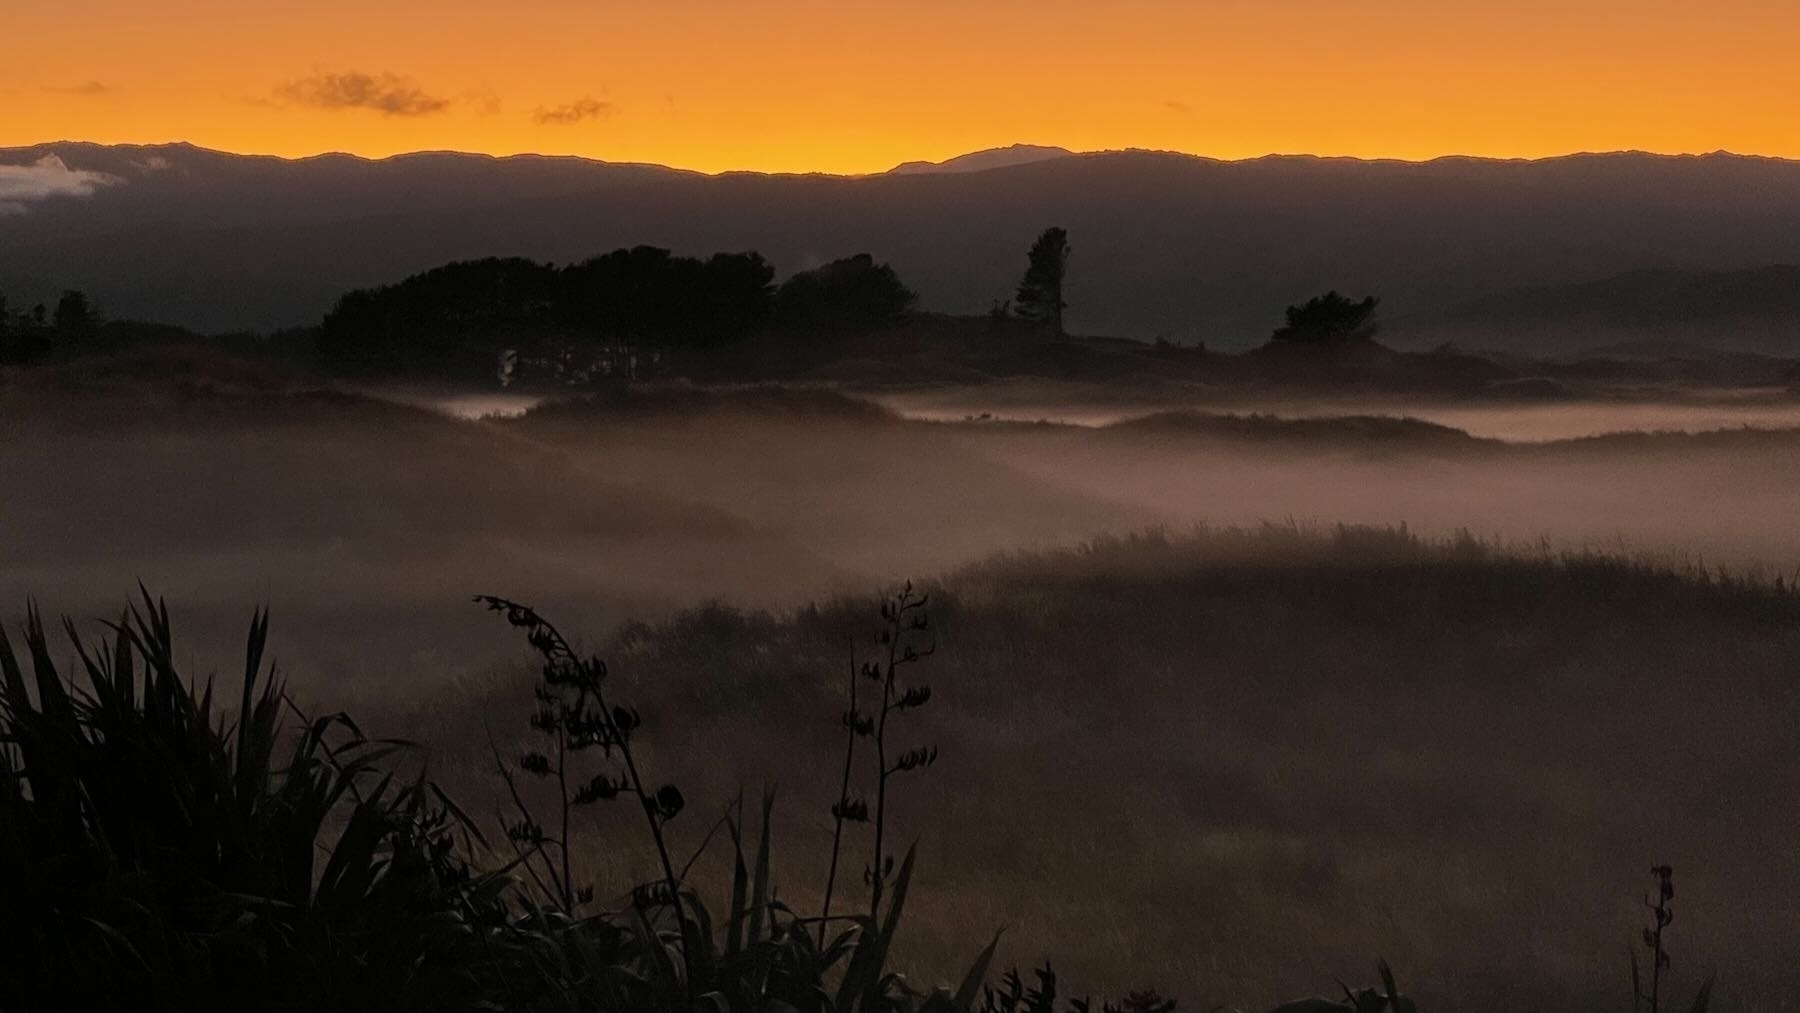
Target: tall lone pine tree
[{"x": 1040, "y": 295}]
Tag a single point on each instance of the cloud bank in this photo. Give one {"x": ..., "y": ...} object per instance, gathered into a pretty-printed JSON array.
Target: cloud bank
[
  {"x": 24, "y": 185},
  {"x": 387, "y": 94},
  {"x": 578, "y": 111}
]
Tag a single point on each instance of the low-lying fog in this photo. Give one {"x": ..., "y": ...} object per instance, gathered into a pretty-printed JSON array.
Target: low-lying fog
[
  {"x": 367, "y": 525},
  {"x": 1524, "y": 420},
  {"x": 351, "y": 514}
]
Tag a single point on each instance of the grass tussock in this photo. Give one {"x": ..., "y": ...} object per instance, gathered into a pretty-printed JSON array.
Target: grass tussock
[{"x": 164, "y": 849}]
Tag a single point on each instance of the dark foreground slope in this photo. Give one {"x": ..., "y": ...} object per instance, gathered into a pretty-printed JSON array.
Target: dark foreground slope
[{"x": 1236, "y": 764}]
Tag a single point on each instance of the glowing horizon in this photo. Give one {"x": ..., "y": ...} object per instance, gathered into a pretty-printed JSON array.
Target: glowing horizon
[
  {"x": 817, "y": 86},
  {"x": 937, "y": 158}
]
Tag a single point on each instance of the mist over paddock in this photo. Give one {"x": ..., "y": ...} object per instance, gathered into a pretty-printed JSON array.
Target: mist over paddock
[
  {"x": 900, "y": 508},
  {"x": 372, "y": 516},
  {"x": 1274, "y": 733}
]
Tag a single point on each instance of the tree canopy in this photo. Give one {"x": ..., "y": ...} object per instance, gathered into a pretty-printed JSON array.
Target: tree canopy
[
  {"x": 1040, "y": 295},
  {"x": 75, "y": 315},
  {"x": 851, "y": 293},
  {"x": 1330, "y": 319},
  {"x": 461, "y": 315},
  {"x": 33, "y": 335}
]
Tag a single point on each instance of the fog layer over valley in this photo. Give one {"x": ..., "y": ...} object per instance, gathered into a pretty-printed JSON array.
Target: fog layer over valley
[
  {"x": 355, "y": 514},
  {"x": 1254, "y": 758},
  {"x": 358, "y": 510},
  {"x": 1526, "y": 419}
]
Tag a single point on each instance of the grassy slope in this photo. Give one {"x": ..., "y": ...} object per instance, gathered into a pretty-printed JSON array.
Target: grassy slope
[{"x": 1235, "y": 765}]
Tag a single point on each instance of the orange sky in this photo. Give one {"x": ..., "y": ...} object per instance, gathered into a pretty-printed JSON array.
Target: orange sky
[{"x": 858, "y": 85}]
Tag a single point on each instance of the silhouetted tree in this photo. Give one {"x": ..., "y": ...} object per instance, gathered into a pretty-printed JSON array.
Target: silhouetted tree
[
  {"x": 461, "y": 317},
  {"x": 1040, "y": 295},
  {"x": 627, "y": 295},
  {"x": 737, "y": 293},
  {"x": 75, "y": 317},
  {"x": 450, "y": 319},
  {"x": 1330, "y": 319},
  {"x": 852, "y": 293},
  {"x": 23, "y": 338},
  {"x": 646, "y": 295}
]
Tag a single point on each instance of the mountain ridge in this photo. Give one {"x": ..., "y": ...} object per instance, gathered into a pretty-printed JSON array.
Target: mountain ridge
[
  {"x": 985, "y": 160},
  {"x": 1166, "y": 244},
  {"x": 1027, "y": 154}
]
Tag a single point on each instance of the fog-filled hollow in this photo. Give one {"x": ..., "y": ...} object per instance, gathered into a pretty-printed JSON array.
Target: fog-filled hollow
[
  {"x": 1206, "y": 699},
  {"x": 1526, "y": 419},
  {"x": 348, "y": 508}
]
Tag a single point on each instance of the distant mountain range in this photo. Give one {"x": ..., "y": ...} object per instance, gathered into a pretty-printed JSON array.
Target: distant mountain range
[
  {"x": 981, "y": 161},
  {"x": 1165, "y": 245}
]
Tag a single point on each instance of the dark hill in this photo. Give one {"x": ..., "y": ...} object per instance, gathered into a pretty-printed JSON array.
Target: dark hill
[
  {"x": 1165, "y": 244},
  {"x": 1640, "y": 312}
]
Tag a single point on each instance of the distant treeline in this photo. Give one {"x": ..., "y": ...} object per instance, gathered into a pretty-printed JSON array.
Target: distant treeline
[
  {"x": 572, "y": 319},
  {"x": 633, "y": 313},
  {"x": 34, "y": 333}
]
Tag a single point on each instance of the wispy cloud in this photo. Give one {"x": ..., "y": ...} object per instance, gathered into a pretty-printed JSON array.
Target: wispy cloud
[
  {"x": 387, "y": 94},
  {"x": 24, "y": 185},
  {"x": 484, "y": 100},
  {"x": 1181, "y": 108},
  {"x": 578, "y": 111},
  {"x": 86, "y": 89}
]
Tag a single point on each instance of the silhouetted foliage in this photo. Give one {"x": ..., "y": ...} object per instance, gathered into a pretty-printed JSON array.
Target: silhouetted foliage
[
  {"x": 848, "y": 808},
  {"x": 1012, "y": 995},
  {"x": 574, "y": 715},
  {"x": 451, "y": 319},
  {"x": 1662, "y": 915},
  {"x": 26, "y": 338},
  {"x": 905, "y": 640},
  {"x": 1386, "y": 999},
  {"x": 459, "y": 318},
  {"x": 75, "y": 316},
  {"x": 1329, "y": 319},
  {"x": 1040, "y": 295},
  {"x": 851, "y": 294},
  {"x": 156, "y": 854},
  {"x": 646, "y": 295}
]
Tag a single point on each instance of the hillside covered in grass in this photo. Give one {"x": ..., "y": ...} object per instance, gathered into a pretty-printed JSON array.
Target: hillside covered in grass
[
  {"x": 1234, "y": 764},
  {"x": 1231, "y": 765}
]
